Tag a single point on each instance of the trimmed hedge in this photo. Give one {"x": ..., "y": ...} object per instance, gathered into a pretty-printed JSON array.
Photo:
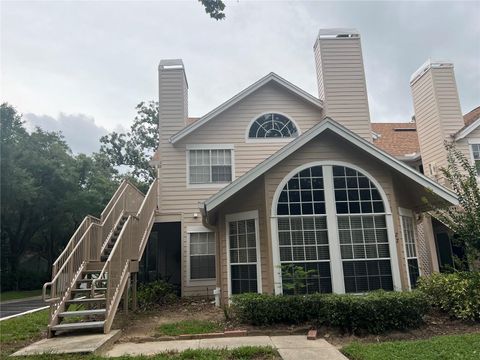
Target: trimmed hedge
[
  {"x": 375, "y": 312},
  {"x": 457, "y": 294}
]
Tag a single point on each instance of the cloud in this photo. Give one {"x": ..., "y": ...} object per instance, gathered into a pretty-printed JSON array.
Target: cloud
[
  {"x": 101, "y": 58},
  {"x": 80, "y": 131}
]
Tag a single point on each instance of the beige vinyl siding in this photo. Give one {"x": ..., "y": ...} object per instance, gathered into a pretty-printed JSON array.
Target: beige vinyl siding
[
  {"x": 259, "y": 196},
  {"x": 438, "y": 114},
  {"x": 228, "y": 128},
  {"x": 341, "y": 83},
  {"x": 251, "y": 198},
  {"x": 334, "y": 148},
  {"x": 464, "y": 146},
  {"x": 430, "y": 133}
]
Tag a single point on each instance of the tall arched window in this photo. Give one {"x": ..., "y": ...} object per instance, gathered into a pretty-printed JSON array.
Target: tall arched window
[
  {"x": 356, "y": 214},
  {"x": 272, "y": 125}
]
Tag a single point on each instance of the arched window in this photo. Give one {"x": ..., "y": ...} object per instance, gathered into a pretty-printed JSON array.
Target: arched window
[
  {"x": 272, "y": 125},
  {"x": 306, "y": 244}
]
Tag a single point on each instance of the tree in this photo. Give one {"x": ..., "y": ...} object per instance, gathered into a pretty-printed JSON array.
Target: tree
[
  {"x": 134, "y": 149},
  {"x": 46, "y": 191},
  {"x": 464, "y": 219},
  {"x": 215, "y": 8}
]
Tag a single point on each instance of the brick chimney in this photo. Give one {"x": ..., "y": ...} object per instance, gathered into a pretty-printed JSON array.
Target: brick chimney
[
  {"x": 172, "y": 97},
  {"x": 341, "y": 79},
  {"x": 437, "y": 113}
]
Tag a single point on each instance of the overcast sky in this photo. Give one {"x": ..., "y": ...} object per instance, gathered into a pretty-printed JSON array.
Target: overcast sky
[{"x": 81, "y": 67}]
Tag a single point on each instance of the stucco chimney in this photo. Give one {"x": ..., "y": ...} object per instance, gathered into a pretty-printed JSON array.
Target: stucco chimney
[
  {"x": 172, "y": 98},
  {"x": 437, "y": 112},
  {"x": 341, "y": 79}
]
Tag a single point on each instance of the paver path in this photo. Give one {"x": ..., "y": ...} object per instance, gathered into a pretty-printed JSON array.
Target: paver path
[
  {"x": 294, "y": 347},
  {"x": 13, "y": 307}
]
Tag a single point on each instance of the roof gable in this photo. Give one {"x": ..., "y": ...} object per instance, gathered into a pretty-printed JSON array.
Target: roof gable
[
  {"x": 272, "y": 77},
  {"x": 327, "y": 124},
  {"x": 472, "y": 122}
]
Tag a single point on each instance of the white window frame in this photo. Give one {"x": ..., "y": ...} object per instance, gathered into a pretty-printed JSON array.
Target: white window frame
[
  {"x": 199, "y": 282},
  {"x": 271, "y": 140},
  {"x": 246, "y": 215},
  {"x": 472, "y": 142},
  {"x": 336, "y": 261},
  {"x": 402, "y": 212},
  {"x": 189, "y": 147}
]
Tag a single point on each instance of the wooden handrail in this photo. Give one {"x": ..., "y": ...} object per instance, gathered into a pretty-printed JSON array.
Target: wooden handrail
[
  {"x": 128, "y": 246},
  {"x": 87, "y": 244}
]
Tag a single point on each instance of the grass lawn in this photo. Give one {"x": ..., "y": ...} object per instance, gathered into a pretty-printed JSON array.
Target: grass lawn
[
  {"x": 22, "y": 330},
  {"x": 189, "y": 327},
  {"x": 243, "y": 353},
  {"x": 450, "y": 347},
  {"x": 13, "y": 295}
]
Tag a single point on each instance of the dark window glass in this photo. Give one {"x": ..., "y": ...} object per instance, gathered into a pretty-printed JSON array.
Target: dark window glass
[{"x": 272, "y": 126}]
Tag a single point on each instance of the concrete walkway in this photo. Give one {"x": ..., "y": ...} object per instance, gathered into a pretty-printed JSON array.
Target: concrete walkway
[
  {"x": 19, "y": 306},
  {"x": 294, "y": 347}
]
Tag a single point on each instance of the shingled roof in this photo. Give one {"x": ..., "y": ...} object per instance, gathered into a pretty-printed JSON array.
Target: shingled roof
[{"x": 397, "y": 139}]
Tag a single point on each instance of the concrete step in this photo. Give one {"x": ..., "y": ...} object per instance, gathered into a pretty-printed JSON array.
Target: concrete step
[
  {"x": 79, "y": 325},
  {"x": 82, "y": 313},
  {"x": 86, "y": 301}
]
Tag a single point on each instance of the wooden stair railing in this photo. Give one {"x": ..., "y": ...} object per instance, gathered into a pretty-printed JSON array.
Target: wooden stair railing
[
  {"x": 86, "y": 245},
  {"x": 128, "y": 247}
]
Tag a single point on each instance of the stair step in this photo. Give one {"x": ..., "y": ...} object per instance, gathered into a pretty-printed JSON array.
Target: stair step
[
  {"x": 87, "y": 290},
  {"x": 79, "y": 325},
  {"x": 85, "y": 300},
  {"x": 82, "y": 313}
]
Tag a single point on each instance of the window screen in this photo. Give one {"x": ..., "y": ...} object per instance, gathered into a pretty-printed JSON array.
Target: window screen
[
  {"x": 476, "y": 156},
  {"x": 202, "y": 255},
  {"x": 410, "y": 250},
  {"x": 210, "y": 166},
  {"x": 243, "y": 256}
]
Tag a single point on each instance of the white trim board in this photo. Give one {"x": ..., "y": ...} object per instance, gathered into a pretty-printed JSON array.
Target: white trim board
[
  {"x": 271, "y": 77},
  {"x": 246, "y": 215},
  {"x": 327, "y": 124},
  {"x": 467, "y": 130}
]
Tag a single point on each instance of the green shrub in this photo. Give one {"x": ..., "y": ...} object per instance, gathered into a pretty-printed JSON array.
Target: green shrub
[
  {"x": 456, "y": 293},
  {"x": 155, "y": 293},
  {"x": 375, "y": 312}
]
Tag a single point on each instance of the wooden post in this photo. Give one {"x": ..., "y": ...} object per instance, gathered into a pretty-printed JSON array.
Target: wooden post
[
  {"x": 125, "y": 297},
  {"x": 134, "y": 291}
]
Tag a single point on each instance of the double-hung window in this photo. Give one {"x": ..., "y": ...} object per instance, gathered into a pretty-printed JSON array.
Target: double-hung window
[
  {"x": 202, "y": 255},
  {"x": 475, "y": 149},
  {"x": 212, "y": 165}
]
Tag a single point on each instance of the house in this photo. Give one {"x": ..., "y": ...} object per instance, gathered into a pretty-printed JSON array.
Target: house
[{"x": 272, "y": 179}]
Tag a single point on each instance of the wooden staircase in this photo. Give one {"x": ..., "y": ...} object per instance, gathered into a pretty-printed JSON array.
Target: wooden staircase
[{"x": 93, "y": 272}]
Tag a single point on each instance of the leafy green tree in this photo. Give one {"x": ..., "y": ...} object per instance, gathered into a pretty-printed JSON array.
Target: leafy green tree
[
  {"x": 46, "y": 191},
  {"x": 464, "y": 219},
  {"x": 134, "y": 149},
  {"x": 215, "y": 8}
]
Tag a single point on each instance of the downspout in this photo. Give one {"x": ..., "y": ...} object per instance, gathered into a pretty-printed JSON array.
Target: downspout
[{"x": 203, "y": 211}]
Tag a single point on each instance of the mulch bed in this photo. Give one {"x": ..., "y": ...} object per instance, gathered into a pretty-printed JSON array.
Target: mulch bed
[{"x": 141, "y": 326}]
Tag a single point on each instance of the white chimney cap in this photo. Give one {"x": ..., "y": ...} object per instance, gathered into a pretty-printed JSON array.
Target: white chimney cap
[
  {"x": 338, "y": 33},
  {"x": 428, "y": 65},
  {"x": 171, "y": 64}
]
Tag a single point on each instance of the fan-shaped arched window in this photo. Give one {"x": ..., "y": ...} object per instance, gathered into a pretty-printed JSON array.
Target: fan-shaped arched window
[
  {"x": 272, "y": 125},
  {"x": 310, "y": 202}
]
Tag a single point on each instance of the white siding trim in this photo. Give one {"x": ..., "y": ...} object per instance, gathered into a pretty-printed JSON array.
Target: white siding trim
[
  {"x": 199, "y": 282},
  {"x": 245, "y": 215},
  {"x": 241, "y": 95},
  {"x": 402, "y": 212},
  {"x": 329, "y": 124},
  {"x": 271, "y": 140},
  {"x": 467, "y": 130}
]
